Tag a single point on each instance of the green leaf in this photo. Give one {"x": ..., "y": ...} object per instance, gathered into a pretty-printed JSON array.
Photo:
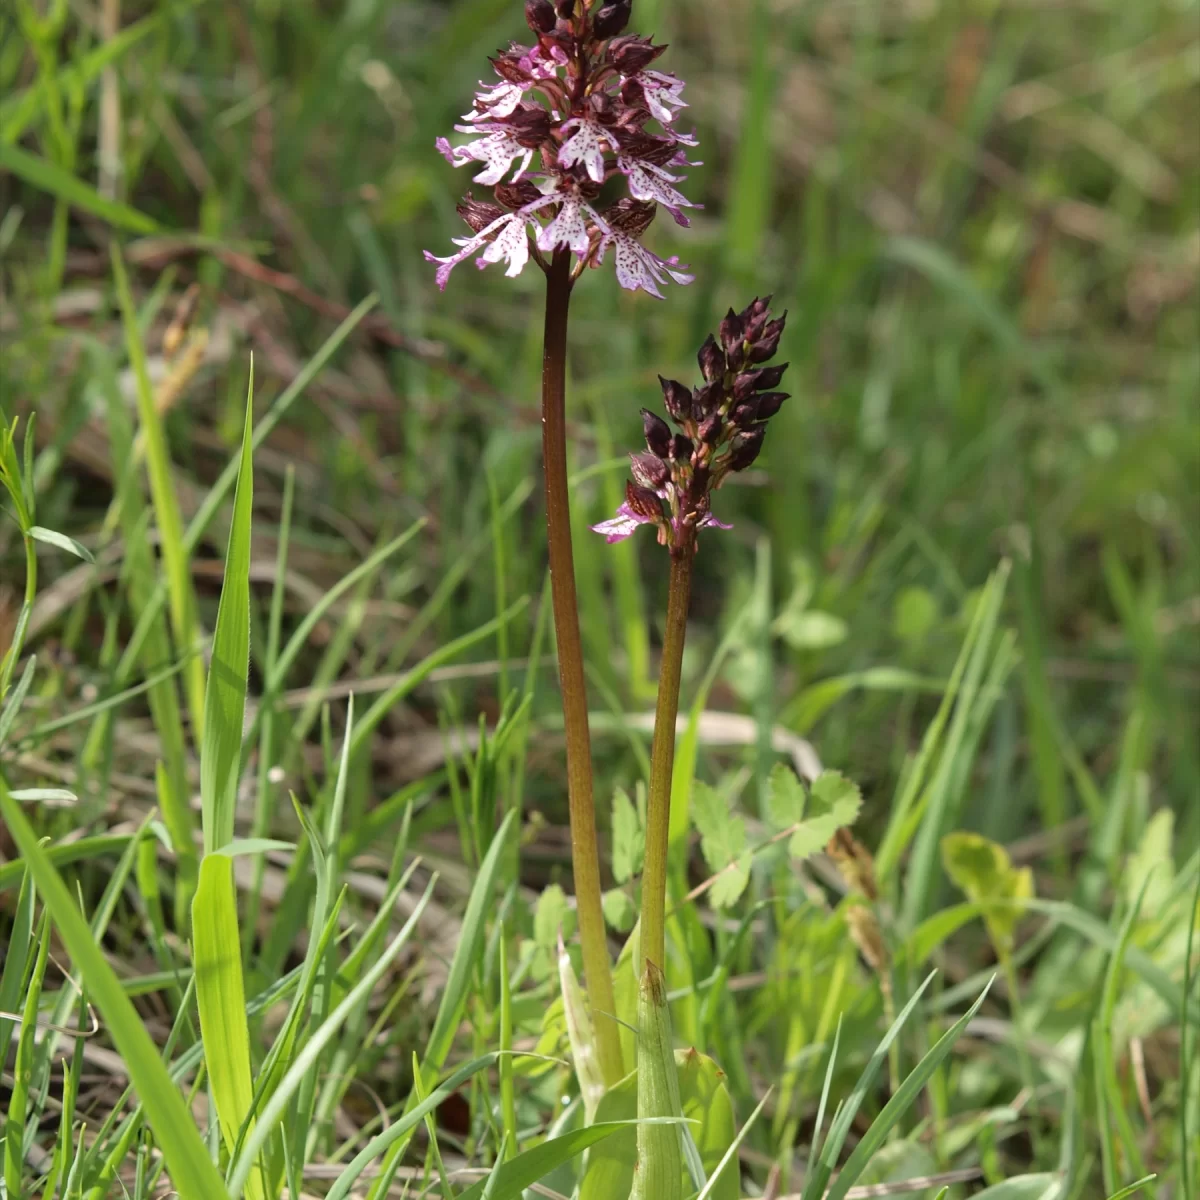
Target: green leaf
[
  {"x": 56, "y": 797},
  {"x": 479, "y": 905},
  {"x": 244, "y": 846},
  {"x": 706, "y": 1105},
  {"x": 723, "y": 843},
  {"x": 510, "y": 1180},
  {"x": 628, "y": 838},
  {"x": 983, "y": 870},
  {"x": 225, "y": 694},
  {"x": 306, "y": 1059},
  {"x": 552, "y": 916},
  {"x": 40, "y": 534},
  {"x": 899, "y": 1103},
  {"x": 221, "y": 999},
  {"x": 832, "y": 804},
  {"x": 1152, "y": 861},
  {"x": 915, "y": 614},
  {"x": 1043, "y": 1186},
  {"x": 619, "y": 909},
  {"x": 811, "y": 630},
  {"x": 50, "y": 177},
  {"x": 187, "y": 1160}
]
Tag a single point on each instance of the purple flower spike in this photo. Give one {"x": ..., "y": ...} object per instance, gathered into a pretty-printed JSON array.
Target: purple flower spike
[
  {"x": 723, "y": 425},
  {"x": 566, "y": 116}
]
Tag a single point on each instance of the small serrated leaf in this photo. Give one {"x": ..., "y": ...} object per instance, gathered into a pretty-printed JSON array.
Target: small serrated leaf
[
  {"x": 833, "y": 803},
  {"x": 723, "y": 842},
  {"x": 60, "y": 540},
  {"x": 731, "y": 882},
  {"x": 786, "y": 797}
]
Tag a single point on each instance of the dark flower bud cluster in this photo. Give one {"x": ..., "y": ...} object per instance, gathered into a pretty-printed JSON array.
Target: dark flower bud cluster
[
  {"x": 720, "y": 429},
  {"x": 580, "y": 107}
]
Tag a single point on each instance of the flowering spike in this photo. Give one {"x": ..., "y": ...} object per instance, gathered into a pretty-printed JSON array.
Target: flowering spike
[
  {"x": 568, "y": 115},
  {"x": 725, "y": 426}
]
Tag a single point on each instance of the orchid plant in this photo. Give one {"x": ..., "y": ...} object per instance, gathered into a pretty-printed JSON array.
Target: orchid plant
[{"x": 582, "y": 108}]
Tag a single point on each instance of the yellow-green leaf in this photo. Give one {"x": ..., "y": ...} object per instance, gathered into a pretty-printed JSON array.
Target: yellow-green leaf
[
  {"x": 225, "y": 692},
  {"x": 984, "y": 872},
  {"x": 221, "y": 998}
]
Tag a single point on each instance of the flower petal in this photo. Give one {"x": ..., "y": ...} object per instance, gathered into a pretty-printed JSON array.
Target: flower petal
[
  {"x": 567, "y": 229},
  {"x": 586, "y": 146}
]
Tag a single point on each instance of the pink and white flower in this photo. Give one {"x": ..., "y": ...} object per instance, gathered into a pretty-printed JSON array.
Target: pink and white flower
[
  {"x": 506, "y": 238},
  {"x": 648, "y": 181},
  {"x": 664, "y": 94},
  {"x": 498, "y": 100},
  {"x": 586, "y": 145},
  {"x": 626, "y": 522},
  {"x": 638, "y": 267},
  {"x": 497, "y": 150}
]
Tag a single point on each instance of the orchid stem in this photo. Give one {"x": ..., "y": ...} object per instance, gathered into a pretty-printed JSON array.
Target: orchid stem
[
  {"x": 585, "y": 855},
  {"x": 662, "y": 760}
]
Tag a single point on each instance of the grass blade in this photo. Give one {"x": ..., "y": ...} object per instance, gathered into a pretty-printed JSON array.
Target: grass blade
[
  {"x": 899, "y": 1103},
  {"x": 191, "y": 1170},
  {"x": 221, "y": 999},
  {"x": 225, "y": 694}
]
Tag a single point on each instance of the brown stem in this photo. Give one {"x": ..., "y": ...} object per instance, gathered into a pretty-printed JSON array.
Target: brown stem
[
  {"x": 662, "y": 760},
  {"x": 585, "y": 855}
]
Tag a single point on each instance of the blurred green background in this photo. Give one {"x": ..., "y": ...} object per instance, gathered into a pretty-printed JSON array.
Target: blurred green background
[{"x": 982, "y": 218}]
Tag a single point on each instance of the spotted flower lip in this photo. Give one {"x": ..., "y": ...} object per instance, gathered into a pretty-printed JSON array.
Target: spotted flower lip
[
  {"x": 722, "y": 427},
  {"x": 578, "y": 109}
]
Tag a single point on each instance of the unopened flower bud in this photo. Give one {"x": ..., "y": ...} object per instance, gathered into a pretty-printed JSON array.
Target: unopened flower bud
[
  {"x": 711, "y": 360},
  {"x": 707, "y": 399},
  {"x": 611, "y": 19},
  {"x": 769, "y": 377},
  {"x": 677, "y": 398},
  {"x": 764, "y": 343},
  {"x": 710, "y": 429},
  {"x": 540, "y": 15},
  {"x": 478, "y": 213},
  {"x": 649, "y": 471},
  {"x": 681, "y": 448},
  {"x": 745, "y": 414},
  {"x": 744, "y": 449},
  {"x": 757, "y": 381},
  {"x": 658, "y": 433},
  {"x": 769, "y": 403},
  {"x": 643, "y": 501},
  {"x": 755, "y": 317},
  {"x": 733, "y": 331},
  {"x": 565, "y": 9},
  {"x": 630, "y": 54},
  {"x": 516, "y": 195}
]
